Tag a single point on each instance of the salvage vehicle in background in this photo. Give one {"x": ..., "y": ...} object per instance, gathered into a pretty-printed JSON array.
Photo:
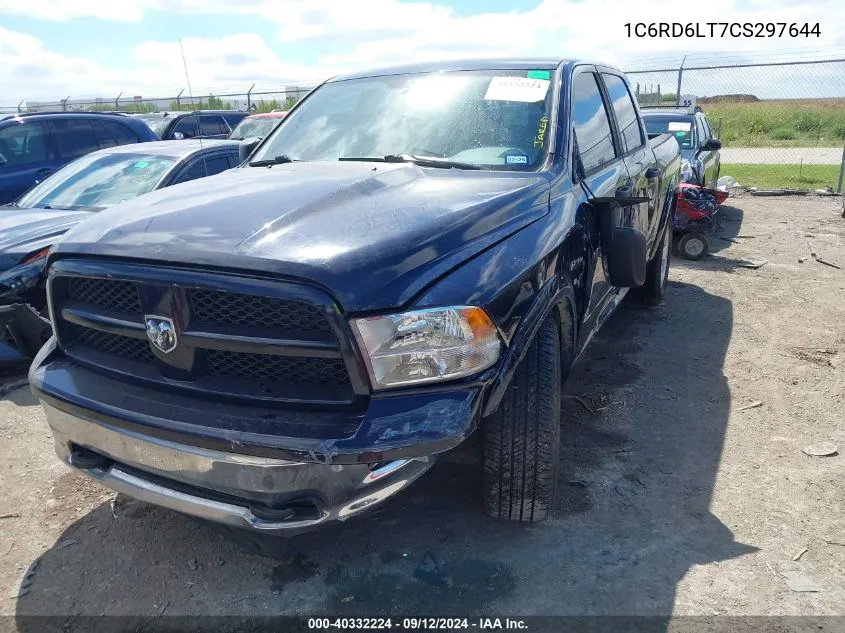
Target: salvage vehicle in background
[
  {"x": 197, "y": 124},
  {"x": 257, "y": 125},
  {"x": 100, "y": 180},
  {"x": 699, "y": 148},
  {"x": 415, "y": 254},
  {"x": 34, "y": 145}
]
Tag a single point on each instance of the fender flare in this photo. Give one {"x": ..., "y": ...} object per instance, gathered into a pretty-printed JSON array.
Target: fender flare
[{"x": 556, "y": 297}]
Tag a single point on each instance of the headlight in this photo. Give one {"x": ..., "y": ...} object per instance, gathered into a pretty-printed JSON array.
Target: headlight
[
  {"x": 25, "y": 273},
  {"x": 427, "y": 345}
]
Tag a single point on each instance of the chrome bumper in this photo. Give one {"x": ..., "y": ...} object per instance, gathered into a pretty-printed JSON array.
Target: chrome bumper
[{"x": 238, "y": 490}]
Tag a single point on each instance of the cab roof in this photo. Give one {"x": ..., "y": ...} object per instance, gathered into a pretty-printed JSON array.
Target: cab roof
[{"x": 539, "y": 63}]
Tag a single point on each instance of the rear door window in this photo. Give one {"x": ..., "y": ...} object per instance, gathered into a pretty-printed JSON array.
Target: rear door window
[
  {"x": 115, "y": 133},
  {"x": 626, "y": 113},
  {"x": 202, "y": 167},
  {"x": 212, "y": 125},
  {"x": 591, "y": 123},
  {"x": 75, "y": 137},
  {"x": 23, "y": 143}
]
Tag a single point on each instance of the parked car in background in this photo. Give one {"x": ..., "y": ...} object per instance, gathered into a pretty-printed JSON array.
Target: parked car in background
[
  {"x": 102, "y": 179},
  {"x": 699, "y": 148},
  {"x": 198, "y": 124},
  {"x": 257, "y": 125},
  {"x": 34, "y": 145},
  {"x": 298, "y": 339}
]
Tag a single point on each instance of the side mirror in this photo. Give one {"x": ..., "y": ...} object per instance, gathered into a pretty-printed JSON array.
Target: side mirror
[
  {"x": 178, "y": 136},
  {"x": 246, "y": 148},
  {"x": 623, "y": 244},
  {"x": 712, "y": 145},
  {"x": 626, "y": 257},
  {"x": 3, "y": 160}
]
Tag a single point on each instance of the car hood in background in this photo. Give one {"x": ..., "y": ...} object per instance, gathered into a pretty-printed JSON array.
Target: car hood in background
[
  {"x": 374, "y": 234},
  {"x": 25, "y": 230}
]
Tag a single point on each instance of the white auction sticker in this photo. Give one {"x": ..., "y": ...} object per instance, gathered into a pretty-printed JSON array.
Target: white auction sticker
[
  {"x": 680, "y": 126},
  {"x": 517, "y": 89}
]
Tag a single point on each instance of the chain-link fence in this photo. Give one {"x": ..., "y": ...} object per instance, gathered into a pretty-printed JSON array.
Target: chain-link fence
[
  {"x": 782, "y": 125},
  {"x": 251, "y": 100}
]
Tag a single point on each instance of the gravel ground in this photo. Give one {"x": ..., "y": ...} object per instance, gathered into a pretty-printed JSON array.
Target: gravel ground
[{"x": 674, "y": 497}]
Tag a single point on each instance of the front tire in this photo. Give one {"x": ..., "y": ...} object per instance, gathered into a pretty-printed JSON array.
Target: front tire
[
  {"x": 657, "y": 273},
  {"x": 522, "y": 437}
]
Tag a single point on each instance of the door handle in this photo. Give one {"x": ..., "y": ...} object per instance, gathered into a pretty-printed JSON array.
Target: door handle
[{"x": 652, "y": 173}]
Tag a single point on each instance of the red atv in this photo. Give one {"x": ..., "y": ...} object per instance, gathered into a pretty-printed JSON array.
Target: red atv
[{"x": 695, "y": 218}]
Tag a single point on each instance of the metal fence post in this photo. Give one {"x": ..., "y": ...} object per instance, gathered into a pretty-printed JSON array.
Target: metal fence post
[
  {"x": 64, "y": 103},
  {"x": 20, "y": 104},
  {"x": 249, "y": 98},
  {"x": 179, "y": 99},
  {"x": 680, "y": 76},
  {"x": 117, "y": 100},
  {"x": 841, "y": 171}
]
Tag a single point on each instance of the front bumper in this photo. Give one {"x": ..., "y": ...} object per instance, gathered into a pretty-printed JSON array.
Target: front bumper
[
  {"x": 229, "y": 463},
  {"x": 22, "y": 333},
  {"x": 258, "y": 493}
]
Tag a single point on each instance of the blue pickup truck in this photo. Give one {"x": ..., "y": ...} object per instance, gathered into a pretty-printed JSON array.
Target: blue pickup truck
[{"x": 414, "y": 254}]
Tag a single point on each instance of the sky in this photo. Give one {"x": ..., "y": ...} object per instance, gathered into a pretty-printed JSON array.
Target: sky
[{"x": 51, "y": 49}]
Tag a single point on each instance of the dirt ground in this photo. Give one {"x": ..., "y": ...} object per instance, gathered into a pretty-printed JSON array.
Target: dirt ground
[{"x": 677, "y": 494}]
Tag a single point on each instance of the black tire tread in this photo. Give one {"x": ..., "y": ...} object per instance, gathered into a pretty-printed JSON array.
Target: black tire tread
[
  {"x": 522, "y": 438},
  {"x": 654, "y": 288}
]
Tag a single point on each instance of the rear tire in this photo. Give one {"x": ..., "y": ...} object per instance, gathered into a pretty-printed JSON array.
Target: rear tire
[
  {"x": 657, "y": 273},
  {"x": 522, "y": 437},
  {"x": 694, "y": 246}
]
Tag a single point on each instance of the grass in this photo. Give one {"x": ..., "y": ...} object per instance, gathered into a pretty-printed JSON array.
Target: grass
[
  {"x": 783, "y": 176},
  {"x": 779, "y": 122}
]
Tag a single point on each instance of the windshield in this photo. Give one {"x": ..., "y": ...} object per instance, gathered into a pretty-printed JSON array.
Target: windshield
[
  {"x": 681, "y": 128},
  {"x": 156, "y": 124},
  {"x": 253, "y": 128},
  {"x": 496, "y": 119},
  {"x": 98, "y": 181}
]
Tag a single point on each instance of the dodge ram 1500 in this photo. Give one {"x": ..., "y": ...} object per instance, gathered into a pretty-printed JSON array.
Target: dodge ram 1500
[{"x": 412, "y": 255}]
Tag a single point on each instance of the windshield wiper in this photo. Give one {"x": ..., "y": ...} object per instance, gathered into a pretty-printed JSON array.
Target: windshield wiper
[
  {"x": 279, "y": 160},
  {"x": 422, "y": 161}
]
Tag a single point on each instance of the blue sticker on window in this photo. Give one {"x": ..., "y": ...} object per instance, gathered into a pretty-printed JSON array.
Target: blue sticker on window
[{"x": 516, "y": 159}]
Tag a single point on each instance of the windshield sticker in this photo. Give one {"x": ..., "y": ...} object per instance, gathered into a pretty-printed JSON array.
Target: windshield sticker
[
  {"x": 680, "y": 133},
  {"x": 517, "y": 89},
  {"x": 680, "y": 126},
  {"x": 516, "y": 159},
  {"x": 141, "y": 164},
  {"x": 538, "y": 74},
  {"x": 541, "y": 131}
]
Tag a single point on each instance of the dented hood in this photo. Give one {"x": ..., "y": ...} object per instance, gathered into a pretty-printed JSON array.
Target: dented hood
[{"x": 373, "y": 234}]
